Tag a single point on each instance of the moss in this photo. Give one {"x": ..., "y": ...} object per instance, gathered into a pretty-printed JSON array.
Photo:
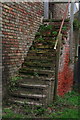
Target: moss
[
  {"x": 40, "y": 39},
  {"x": 64, "y": 28},
  {"x": 54, "y": 32},
  {"x": 13, "y": 82},
  {"x": 45, "y": 27}
]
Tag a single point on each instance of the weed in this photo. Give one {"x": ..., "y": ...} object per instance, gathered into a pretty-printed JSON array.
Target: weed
[
  {"x": 38, "y": 33},
  {"x": 13, "y": 81},
  {"x": 27, "y": 109},
  {"x": 64, "y": 28},
  {"x": 36, "y": 74},
  {"x": 54, "y": 32},
  {"x": 49, "y": 27},
  {"x": 40, "y": 39},
  {"x": 45, "y": 27},
  {"x": 8, "y": 113},
  {"x": 64, "y": 107}
]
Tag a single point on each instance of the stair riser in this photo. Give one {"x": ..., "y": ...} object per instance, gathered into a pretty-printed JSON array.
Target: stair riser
[
  {"x": 36, "y": 81},
  {"x": 39, "y": 59},
  {"x": 40, "y": 66},
  {"x": 29, "y": 98},
  {"x": 45, "y": 61},
  {"x": 28, "y": 90},
  {"x": 49, "y": 55},
  {"x": 38, "y": 74},
  {"x": 24, "y": 102}
]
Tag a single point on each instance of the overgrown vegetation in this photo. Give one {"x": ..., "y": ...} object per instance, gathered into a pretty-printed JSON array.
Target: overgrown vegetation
[
  {"x": 54, "y": 32},
  {"x": 64, "y": 107},
  {"x": 38, "y": 33},
  {"x": 64, "y": 28},
  {"x": 13, "y": 82},
  {"x": 45, "y": 27}
]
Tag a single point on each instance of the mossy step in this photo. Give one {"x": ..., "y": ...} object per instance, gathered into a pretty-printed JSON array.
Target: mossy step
[
  {"x": 21, "y": 94},
  {"x": 48, "y": 55},
  {"x": 55, "y": 20},
  {"x": 50, "y": 51},
  {"x": 35, "y": 80},
  {"x": 44, "y": 42},
  {"x": 50, "y": 33},
  {"x": 39, "y": 65},
  {"x": 40, "y": 50},
  {"x": 27, "y": 90},
  {"x": 39, "y": 47},
  {"x": 39, "y": 58},
  {"x": 36, "y": 72},
  {"x": 20, "y": 101},
  {"x": 34, "y": 86}
]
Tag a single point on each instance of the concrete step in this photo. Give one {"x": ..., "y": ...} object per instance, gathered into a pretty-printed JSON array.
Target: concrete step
[
  {"x": 36, "y": 72},
  {"x": 37, "y": 86},
  {"x": 44, "y": 59},
  {"x": 21, "y": 94},
  {"x": 23, "y": 102},
  {"x": 45, "y": 42},
  {"x": 44, "y": 47},
  {"x": 40, "y": 64},
  {"x": 35, "y": 80},
  {"x": 28, "y": 89},
  {"x": 42, "y": 53}
]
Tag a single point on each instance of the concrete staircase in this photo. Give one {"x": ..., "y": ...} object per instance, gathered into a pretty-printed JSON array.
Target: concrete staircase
[{"x": 38, "y": 70}]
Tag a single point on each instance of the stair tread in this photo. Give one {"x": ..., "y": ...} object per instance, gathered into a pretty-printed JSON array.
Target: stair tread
[
  {"x": 22, "y": 102},
  {"x": 43, "y": 51},
  {"x": 37, "y": 72},
  {"x": 34, "y": 77},
  {"x": 40, "y": 64},
  {"x": 39, "y": 58},
  {"x": 28, "y": 95},
  {"x": 32, "y": 85}
]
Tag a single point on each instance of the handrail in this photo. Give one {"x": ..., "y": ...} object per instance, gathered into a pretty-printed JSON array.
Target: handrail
[{"x": 62, "y": 24}]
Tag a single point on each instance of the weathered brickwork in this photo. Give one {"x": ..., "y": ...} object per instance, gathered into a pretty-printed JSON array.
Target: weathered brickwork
[
  {"x": 59, "y": 10},
  {"x": 20, "y": 22},
  {"x": 65, "y": 75}
]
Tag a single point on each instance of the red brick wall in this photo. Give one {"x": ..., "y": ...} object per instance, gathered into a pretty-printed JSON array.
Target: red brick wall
[
  {"x": 59, "y": 10},
  {"x": 20, "y": 22},
  {"x": 65, "y": 75}
]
